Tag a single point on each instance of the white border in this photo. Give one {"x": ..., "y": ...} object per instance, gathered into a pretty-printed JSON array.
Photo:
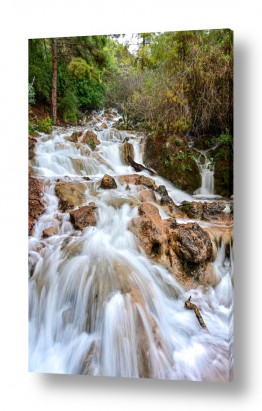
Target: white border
[{"x": 23, "y": 19}]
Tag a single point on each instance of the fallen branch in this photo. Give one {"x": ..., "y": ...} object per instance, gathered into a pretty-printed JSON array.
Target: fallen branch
[
  {"x": 191, "y": 306},
  {"x": 137, "y": 166}
]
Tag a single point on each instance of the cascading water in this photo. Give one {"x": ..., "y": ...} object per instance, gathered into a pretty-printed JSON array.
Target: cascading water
[
  {"x": 97, "y": 304},
  {"x": 206, "y": 170}
]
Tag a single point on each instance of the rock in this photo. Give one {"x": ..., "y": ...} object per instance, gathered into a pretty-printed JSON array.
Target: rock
[
  {"x": 70, "y": 194},
  {"x": 36, "y": 204},
  {"x": 223, "y": 165},
  {"x": 192, "y": 209},
  {"x": 127, "y": 151},
  {"x": 50, "y": 231},
  {"x": 104, "y": 126},
  {"x": 31, "y": 147},
  {"x": 147, "y": 196},
  {"x": 213, "y": 210},
  {"x": 162, "y": 190},
  {"x": 184, "y": 249},
  {"x": 90, "y": 138},
  {"x": 150, "y": 229},
  {"x": 210, "y": 211},
  {"x": 138, "y": 179},
  {"x": 84, "y": 216},
  {"x": 171, "y": 157},
  {"x": 191, "y": 243},
  {"x": 108, "y": 182},
  {"x": 75, "y": 136}
]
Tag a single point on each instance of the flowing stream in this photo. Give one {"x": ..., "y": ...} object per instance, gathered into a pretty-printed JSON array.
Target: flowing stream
[{"x": 97, "y": 304}]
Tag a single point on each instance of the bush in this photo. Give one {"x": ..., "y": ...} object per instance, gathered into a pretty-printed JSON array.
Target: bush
[{"x": 44, "y": 126}]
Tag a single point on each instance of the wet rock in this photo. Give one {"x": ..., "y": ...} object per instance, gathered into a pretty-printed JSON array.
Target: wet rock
[
  {"x": 213, "y": 210},
  {"x": 50, "y": 231},
  {"x": 75, "y": 136},
  {"x": 138, "y": 179},
  {"x": 90, "y": 138},
  {"x": 127, "y": 151},
  {"x": 36, "y": 205},
  {"x": 108, "y": 182},
  {"x": 70, "y": 194},
  {"x": 191, "y": 243},
  {"x": 104, "y": 126},
  {"x": 171, "y": 157},
  {"x": 162, "y": 190},
  {"x": 192, "y": 209},
  {"x": 223, "y": 165},
  {"x": 84, "y": 216},
  {"x": 31, "y": 147},
  {"x": 150, "y": 229},
  {"x": 210, "y": 211},
  {"x": 147, "y": 195}
]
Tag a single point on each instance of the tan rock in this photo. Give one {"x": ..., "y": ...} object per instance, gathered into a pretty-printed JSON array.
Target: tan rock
[
  {"x": 108, "y": 182},
  {"x": 36, "y": 204},
  {"x": 50, "y": 231},
  {"x": 138, "y": 179},
  {"x": 147, "y": 196},
  {"x": 90, "y": 138},
  {"x": 70, "y": 194},
  {"x": 83, "y": 217},
  {"x": 127, "y": 151}
]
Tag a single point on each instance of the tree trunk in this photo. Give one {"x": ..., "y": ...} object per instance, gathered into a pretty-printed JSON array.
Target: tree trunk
[{"x": 54, "y": 81}]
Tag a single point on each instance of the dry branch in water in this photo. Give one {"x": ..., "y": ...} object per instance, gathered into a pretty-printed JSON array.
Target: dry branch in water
[{"x": 191, "y": 306}]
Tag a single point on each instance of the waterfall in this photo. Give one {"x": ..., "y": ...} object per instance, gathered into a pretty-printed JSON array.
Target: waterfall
[
  {"x": 97, "y": 304},
  {"x": 206, "y": 170}
]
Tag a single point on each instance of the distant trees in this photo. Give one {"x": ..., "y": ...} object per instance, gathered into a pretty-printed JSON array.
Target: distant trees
[
  {"x": 174, "y": 82},
  {"x": 179, "y": 81}
]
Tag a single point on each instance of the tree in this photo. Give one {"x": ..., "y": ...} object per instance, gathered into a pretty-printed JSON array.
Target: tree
[{"x": 54, "y": 80}]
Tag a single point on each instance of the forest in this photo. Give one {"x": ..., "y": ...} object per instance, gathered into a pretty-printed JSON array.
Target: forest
[{"x": 172, "y": 83}]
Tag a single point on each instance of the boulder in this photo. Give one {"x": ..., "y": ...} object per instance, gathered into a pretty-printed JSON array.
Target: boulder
[
  {"x": 75, "y": 136},
  {"x": 185, "y": 250},
  {"x": 31, "y": 147},
  {"x": 192, "y": 209},
  {"x": 191, "y": 243},
  {"x": 70, "y": 194},
  {"x": 90, "y": 138},
  {"x": 162, "y": 191},
  {"x": 210, "y": 211},
  {"x": 108, "y": 182},
  {"x": 127, "y": 151},
  {"x": 84, "y": 216},
  {"x": 36, "y": 205},
  {"x": 150, "y": 229},
  {"x": 104, "y": 126},
  {"x": 50, "y": 231},
  {"x": 138, "y": 179},
  {"x": 147, "y": 196}
]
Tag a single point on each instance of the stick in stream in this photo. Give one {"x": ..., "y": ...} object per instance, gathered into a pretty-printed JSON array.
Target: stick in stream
[
  {"x": 138, "y": 167},
  {"x": 191, "y": 306}
]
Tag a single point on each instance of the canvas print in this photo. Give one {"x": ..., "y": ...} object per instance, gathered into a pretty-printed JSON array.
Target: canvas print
[{"x": 131, "y": 205}]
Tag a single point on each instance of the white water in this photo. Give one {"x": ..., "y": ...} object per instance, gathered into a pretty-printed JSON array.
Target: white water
[
  {"x": 97, "y": 305},
  {"x": 206, "y": 170}
]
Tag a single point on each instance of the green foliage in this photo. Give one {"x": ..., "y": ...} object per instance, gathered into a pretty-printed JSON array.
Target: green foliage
[
  {"x": 67, "y": 106},
  {"x": 31, "y": 93},
  {"x": 40, "y": 125},
  {"x": 226, "y": 137},
  {"x": 83, "y": 63}
]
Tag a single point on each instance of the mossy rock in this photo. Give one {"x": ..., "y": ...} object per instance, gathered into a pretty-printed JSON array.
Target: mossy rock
[
  {"x": 171, "y": 157},
  {"x": 223, "y": 163}
]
